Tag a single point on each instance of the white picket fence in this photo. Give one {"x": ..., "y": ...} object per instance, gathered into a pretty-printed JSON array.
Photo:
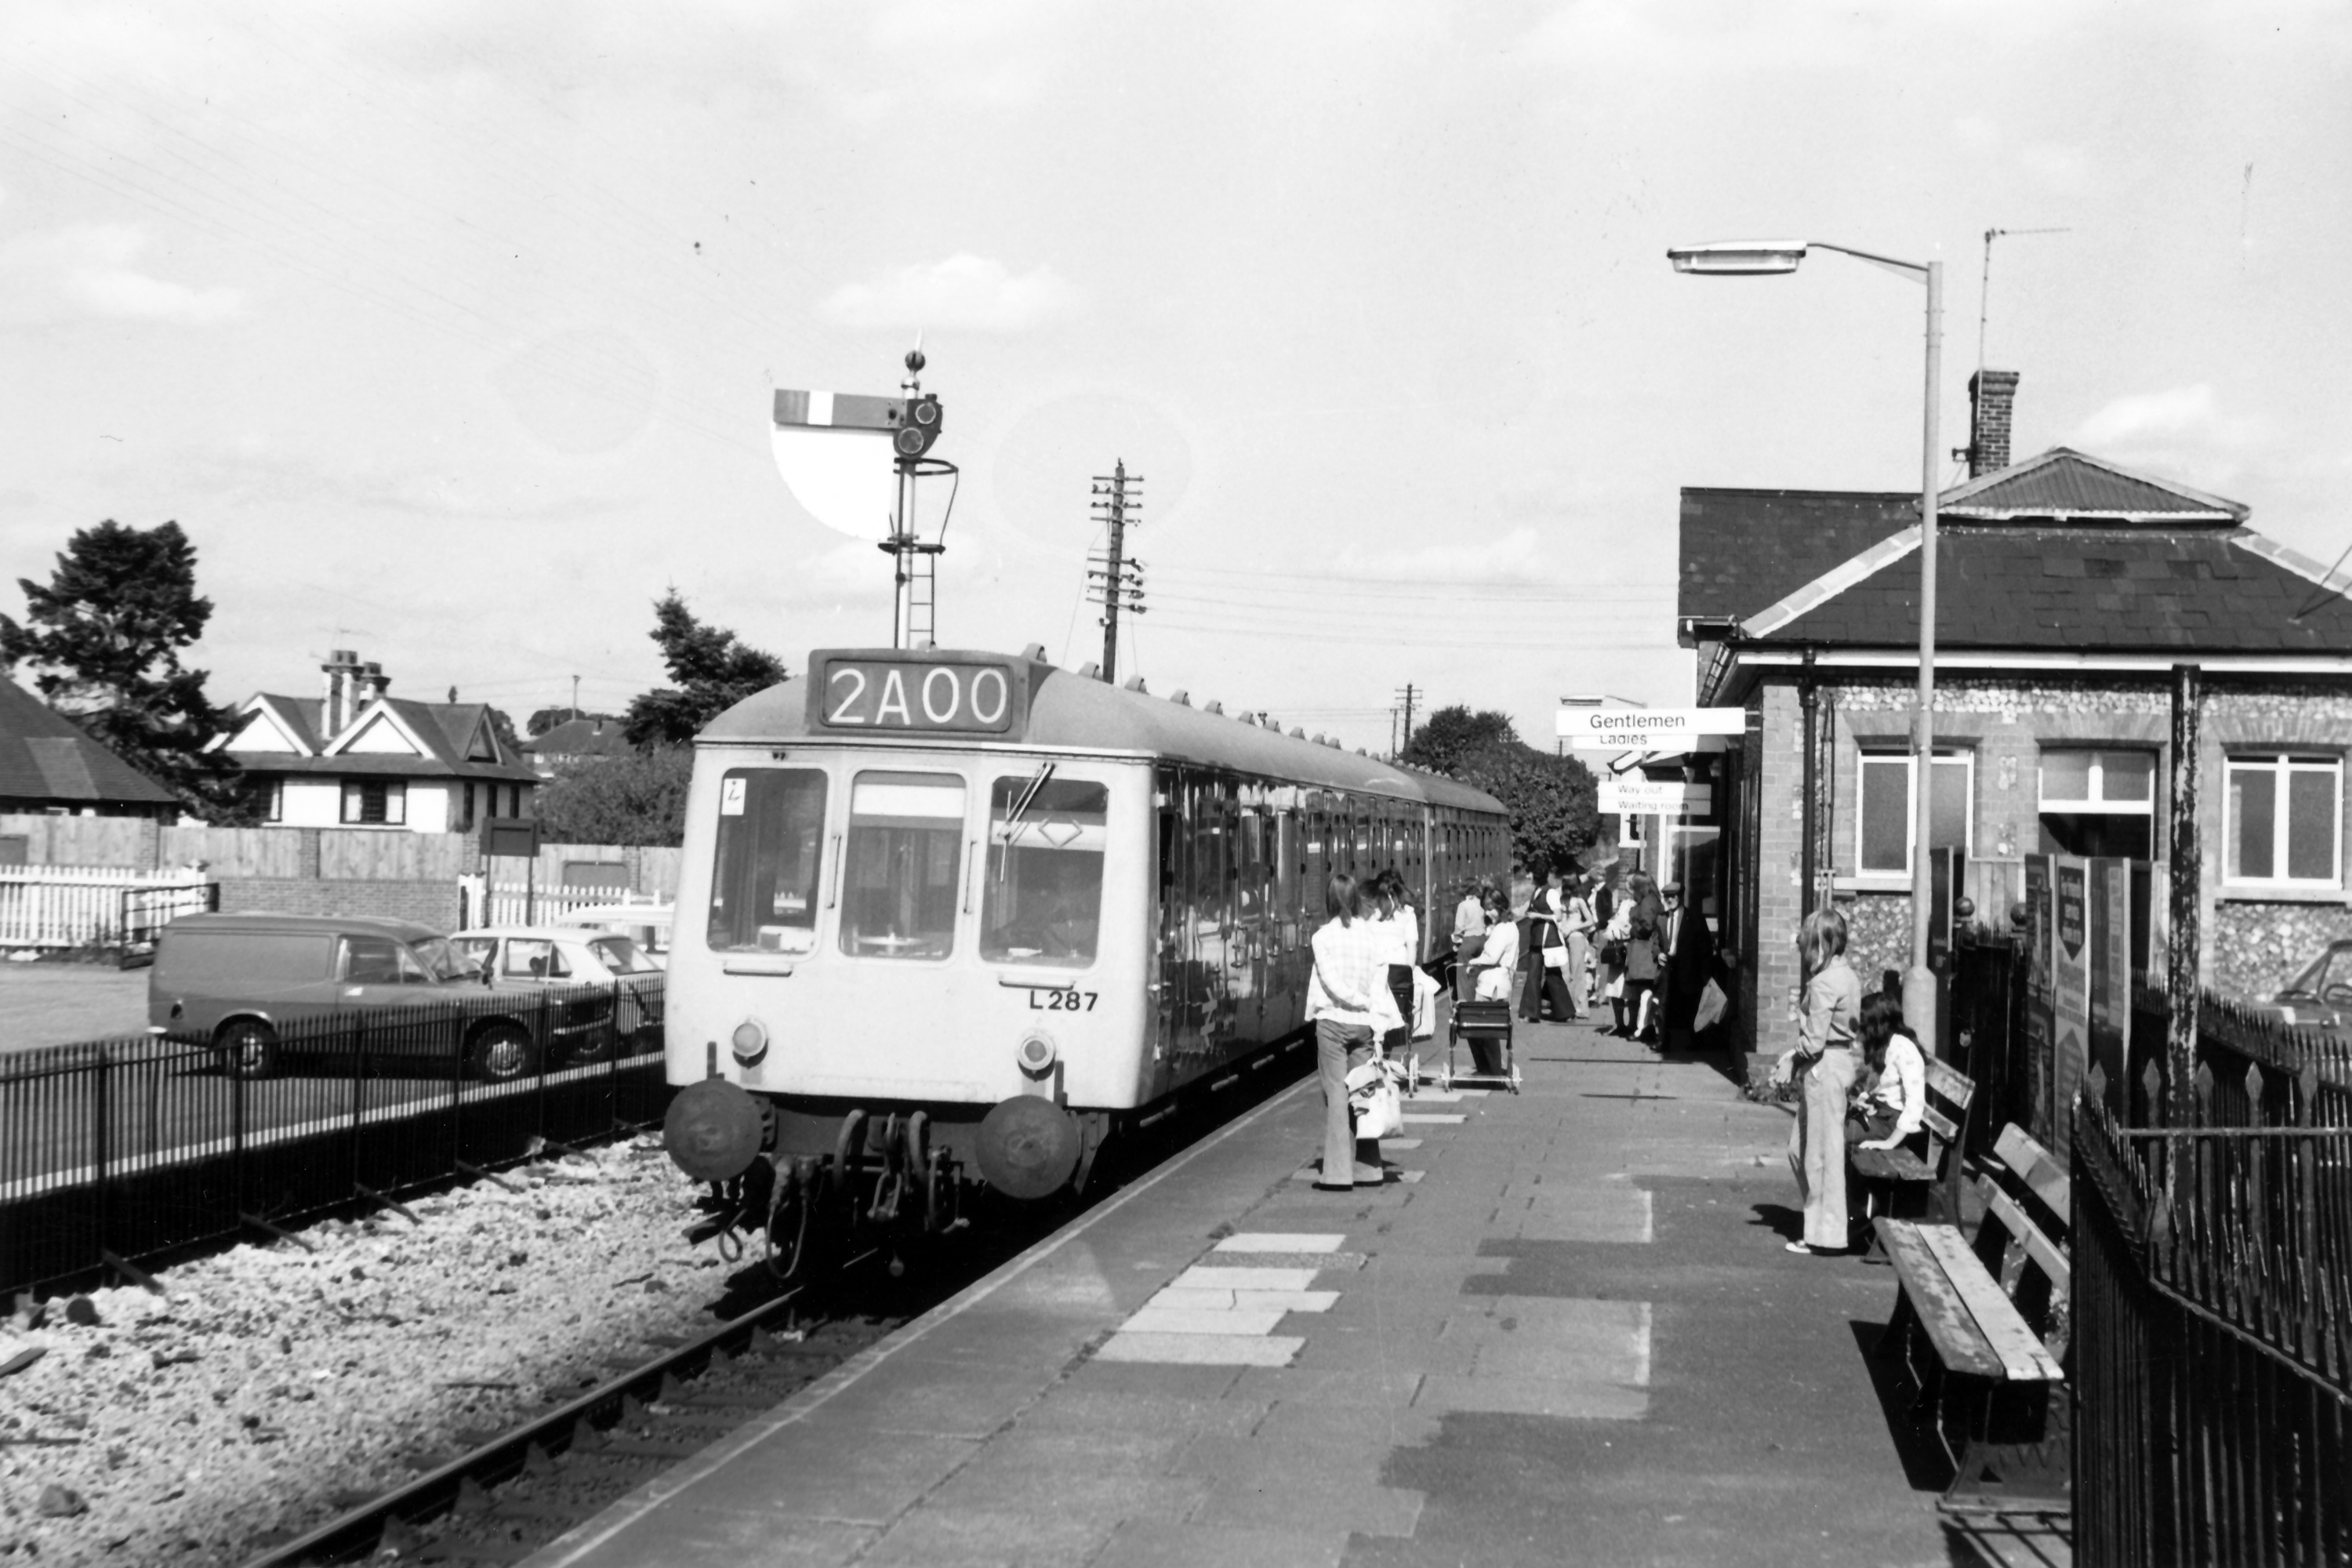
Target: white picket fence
[
  {"x": 76, "y": 906},
  {"x": 520, "y": 903}
]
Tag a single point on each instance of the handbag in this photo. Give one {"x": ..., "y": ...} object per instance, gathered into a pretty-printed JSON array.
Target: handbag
[
  {"x": 1613, "y": 953},
  {"x": 1712, "y": 1003},
  {"x": 1555, "y": 958},
  {"x": 1376, "y": 1100}
]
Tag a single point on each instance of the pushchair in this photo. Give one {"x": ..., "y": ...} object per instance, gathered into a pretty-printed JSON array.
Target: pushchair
[{"x": 1486, "y": 1027}]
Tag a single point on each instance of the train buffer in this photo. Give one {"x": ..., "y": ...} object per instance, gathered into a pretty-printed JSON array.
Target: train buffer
[{"x": 1575, "y": 1337}]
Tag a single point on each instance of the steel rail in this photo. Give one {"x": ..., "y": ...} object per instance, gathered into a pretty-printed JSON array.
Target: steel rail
[{"x": 353, "y": 1534}]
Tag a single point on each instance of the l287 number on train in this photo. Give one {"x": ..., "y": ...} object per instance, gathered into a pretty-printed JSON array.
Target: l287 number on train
[{"x": 1061, "y": 999}]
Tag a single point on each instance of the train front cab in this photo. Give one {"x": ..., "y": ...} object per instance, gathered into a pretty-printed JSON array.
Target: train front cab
[{"x": 898, "y": 933}]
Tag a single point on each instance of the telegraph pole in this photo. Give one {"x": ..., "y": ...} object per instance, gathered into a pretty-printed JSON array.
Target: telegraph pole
[
  {"x": 1114, "y": 580},
  {"x": 1406, "y": 696}
]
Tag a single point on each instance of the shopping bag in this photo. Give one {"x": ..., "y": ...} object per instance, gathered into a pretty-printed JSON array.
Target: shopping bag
[
  {"x": 1424, "y": 1004},
  {"x": 1378, "y": 1102},
  {"x": 1712, "y": 1003},
  {"x": 1555, "y": 958}
]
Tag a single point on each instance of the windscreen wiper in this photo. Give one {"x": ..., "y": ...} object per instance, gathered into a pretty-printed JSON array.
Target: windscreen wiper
[{"x": 1015, "y": 820}]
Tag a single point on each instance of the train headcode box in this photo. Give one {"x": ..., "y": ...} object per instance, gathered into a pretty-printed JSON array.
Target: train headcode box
[{"x": 926, "y": 691}]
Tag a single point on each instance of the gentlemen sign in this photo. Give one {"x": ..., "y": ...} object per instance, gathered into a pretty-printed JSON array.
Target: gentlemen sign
[
  {"x": 1647, "y": 798},
  {"x": 861, "y": 693},
  {"x": 1647, "y": 728}
]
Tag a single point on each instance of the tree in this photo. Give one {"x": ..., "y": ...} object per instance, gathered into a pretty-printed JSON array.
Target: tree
[
  {"x": 713, "y": 668},
  {"x": 542, "y": 719},
  {"x": 1553, "y": 802},
  {"x": 639, "y": 798},
  {"x": 105, "y": 637}
]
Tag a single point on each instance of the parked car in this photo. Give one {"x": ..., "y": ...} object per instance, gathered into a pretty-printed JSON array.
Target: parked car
[
  {"x": 2320, "y": 994},
  {"x": 647, "y": 925},
  {"x": 245, "y": 984},
  {"x": 562, "y": 956}
]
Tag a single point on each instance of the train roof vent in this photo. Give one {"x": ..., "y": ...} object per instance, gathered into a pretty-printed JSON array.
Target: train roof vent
[
  {"x": 1181, "y": 698},
  {"x": 1034, "y": 654},
  {"x": 1212, "y": 706},
  {"x": 1135, "y": 684},
  {"x": 1296, "y": 734},
  {"x": 1091, "y": 671}
]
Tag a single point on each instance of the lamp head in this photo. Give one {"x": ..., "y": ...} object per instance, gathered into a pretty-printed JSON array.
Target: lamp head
[{"x": 1738, "y": 257}]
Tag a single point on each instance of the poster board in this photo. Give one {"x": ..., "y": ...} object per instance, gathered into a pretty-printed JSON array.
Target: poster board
[
  {"x": 2110, "y": 891},
  {"x": 2070, "y": 965},
  {"x": 2040, "y": 1004}
]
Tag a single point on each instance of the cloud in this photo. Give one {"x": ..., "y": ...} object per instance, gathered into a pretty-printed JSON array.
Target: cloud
[
  {"x": 2066, "y": 169},
  {"x": 964, "y": 293},
  {"x": 2183, "y": 429},
  {"x": 1516, "y": 556},
  {"x": 87, "y": 271}
]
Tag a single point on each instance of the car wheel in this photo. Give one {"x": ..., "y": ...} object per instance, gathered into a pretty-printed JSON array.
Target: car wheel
[
  {"x": 502, "y": 1051},
  {"x": 247, "y": 1048}
]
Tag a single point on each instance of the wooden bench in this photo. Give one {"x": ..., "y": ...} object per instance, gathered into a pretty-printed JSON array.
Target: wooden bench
[
  {"x": 1983, "y": 1331},
  {"x": 1912, "y": 1185},
  {"x": 2036, "y": 1171}
]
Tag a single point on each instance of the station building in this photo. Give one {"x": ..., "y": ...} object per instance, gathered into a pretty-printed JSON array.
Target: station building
[{"x": 2070, "y": 592}]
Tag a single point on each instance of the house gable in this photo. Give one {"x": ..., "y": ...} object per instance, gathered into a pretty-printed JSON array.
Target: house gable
[
  {"x": 380, "y": 732},
  {"x": 263, "y": 731},
  {"x": 484, "y": 745},
  {"x": 2063, "y": 486}
]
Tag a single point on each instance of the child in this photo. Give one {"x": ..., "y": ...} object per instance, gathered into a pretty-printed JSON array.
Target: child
[{"x": 1895, "y": 1107}]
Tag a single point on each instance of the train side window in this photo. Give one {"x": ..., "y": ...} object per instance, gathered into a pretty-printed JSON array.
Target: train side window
[
  {"x": 905, "y": 857},
  {"x": 763, "y": 883},
  {"x": 1043, "y": 901}
]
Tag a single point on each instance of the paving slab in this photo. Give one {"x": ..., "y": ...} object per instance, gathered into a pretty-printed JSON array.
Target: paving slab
[{"x": 1574, "y": 1338}]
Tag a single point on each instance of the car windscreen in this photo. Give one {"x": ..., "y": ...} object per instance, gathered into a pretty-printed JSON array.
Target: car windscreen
[
  {"x": 622, "y": 956},
  {"x": 441, "y": 960}
]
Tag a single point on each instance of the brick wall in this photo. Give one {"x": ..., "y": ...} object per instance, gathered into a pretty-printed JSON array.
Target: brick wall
[
  {"x": 433, "y": 903},
  {"x": 1769, "y": 977}
]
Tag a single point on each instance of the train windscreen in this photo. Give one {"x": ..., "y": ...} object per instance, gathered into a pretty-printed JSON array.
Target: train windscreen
[
  {"x": 1042, "y": 902},
  {"x": 905, "y": 850},
  {"x": 763, "y": 888}
]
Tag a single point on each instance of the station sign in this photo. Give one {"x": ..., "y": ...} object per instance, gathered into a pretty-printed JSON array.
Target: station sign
[
  {"x": 930, "y": 692},
  {"x": 1647, "y": 728},
  {"x": 1653, "y": 798}
]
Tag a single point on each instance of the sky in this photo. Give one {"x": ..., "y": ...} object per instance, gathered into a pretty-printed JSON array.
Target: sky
[{"x": 449, "y": 331}]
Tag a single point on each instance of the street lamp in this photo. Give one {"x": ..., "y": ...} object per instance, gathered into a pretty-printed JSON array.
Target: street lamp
[{"x": 1756, "y": 257}]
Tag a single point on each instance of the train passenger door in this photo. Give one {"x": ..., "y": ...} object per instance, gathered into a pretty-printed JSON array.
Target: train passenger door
[{"x": 1172, "y": 950}]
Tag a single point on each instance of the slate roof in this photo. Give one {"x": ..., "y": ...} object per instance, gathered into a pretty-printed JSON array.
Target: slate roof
[
  {"x": 2063, "y": 485},
  {"x": 1743, "y": 549},
  {"x": 445, "y": 727},
  {"x": 43, "y": 757},
  {"x": 2100, "y": 588}
]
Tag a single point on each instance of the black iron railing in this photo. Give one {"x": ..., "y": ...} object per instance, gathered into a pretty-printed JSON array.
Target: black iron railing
[
  {"x": 2213, "y": 1343},
  {"x": 117, "y": 1152}
]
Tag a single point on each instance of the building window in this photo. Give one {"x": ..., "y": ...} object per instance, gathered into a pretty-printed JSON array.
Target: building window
[
  {"x": 464, "y": 808},
  {"x": 375, "y": 802},
  {"x": 1887, "y": 809},
  {"x": 2284, "y": 818},
  {"x": 2098, "y": 802},
  {"x": 269, "y": 799}
]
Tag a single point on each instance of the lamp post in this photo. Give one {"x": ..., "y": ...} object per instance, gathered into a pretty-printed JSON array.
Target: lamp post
[{"x": 1753, "y": 258}]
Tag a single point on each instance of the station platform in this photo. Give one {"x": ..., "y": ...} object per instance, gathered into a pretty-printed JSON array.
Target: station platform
[{"x": 1569, "y": 1333}]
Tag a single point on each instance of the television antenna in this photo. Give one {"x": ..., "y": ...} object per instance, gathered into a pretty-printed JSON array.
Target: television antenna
[{"x": 1984, "y": 286}]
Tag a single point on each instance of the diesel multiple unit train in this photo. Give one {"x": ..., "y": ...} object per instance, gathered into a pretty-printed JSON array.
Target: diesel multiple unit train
[{"x": 954, "y": 912}]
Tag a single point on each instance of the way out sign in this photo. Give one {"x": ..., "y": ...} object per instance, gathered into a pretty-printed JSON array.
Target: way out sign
[{"x": 1646, "y": 729}]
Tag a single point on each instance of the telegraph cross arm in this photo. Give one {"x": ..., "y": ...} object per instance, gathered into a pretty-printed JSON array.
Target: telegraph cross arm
[{"x": 1646, "y": 729}]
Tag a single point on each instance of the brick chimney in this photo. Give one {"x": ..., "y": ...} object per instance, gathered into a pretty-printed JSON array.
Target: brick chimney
[
  {"x": 341, "y": 671},
  {"x": 1991, "y": 393}
]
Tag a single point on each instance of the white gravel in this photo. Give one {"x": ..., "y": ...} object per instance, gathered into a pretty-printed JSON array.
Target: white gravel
[{"x": 273, "y": 1381}]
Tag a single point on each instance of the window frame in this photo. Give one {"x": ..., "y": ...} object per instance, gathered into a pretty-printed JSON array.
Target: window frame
[
  {"x": 1863, "y": 756},
  {"x": 2281, "y": 766},
  {"x": 354, "y": 812},
  {"x": 2098, "y": 802},
  {"x": 995, "y": 854}
]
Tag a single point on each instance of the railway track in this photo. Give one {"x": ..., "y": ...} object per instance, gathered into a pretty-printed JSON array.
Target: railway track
[
  {"x": 514, "y": 1491},
  {"x": 518, "y": 1488}
]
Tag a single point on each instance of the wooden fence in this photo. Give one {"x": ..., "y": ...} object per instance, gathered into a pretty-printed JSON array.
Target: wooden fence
[{"x": 74, "y": 905}]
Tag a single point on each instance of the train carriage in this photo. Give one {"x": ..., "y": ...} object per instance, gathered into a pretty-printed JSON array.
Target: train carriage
[{"x": 946, "y": 912}]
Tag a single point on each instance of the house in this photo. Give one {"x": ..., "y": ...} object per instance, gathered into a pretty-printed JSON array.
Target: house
[
  {"x": 588, "y": 738},
  {"x": 2071, "y": 590},
  {"x": 359, "y": 757},
  {"x": 49, "y": 765}
]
